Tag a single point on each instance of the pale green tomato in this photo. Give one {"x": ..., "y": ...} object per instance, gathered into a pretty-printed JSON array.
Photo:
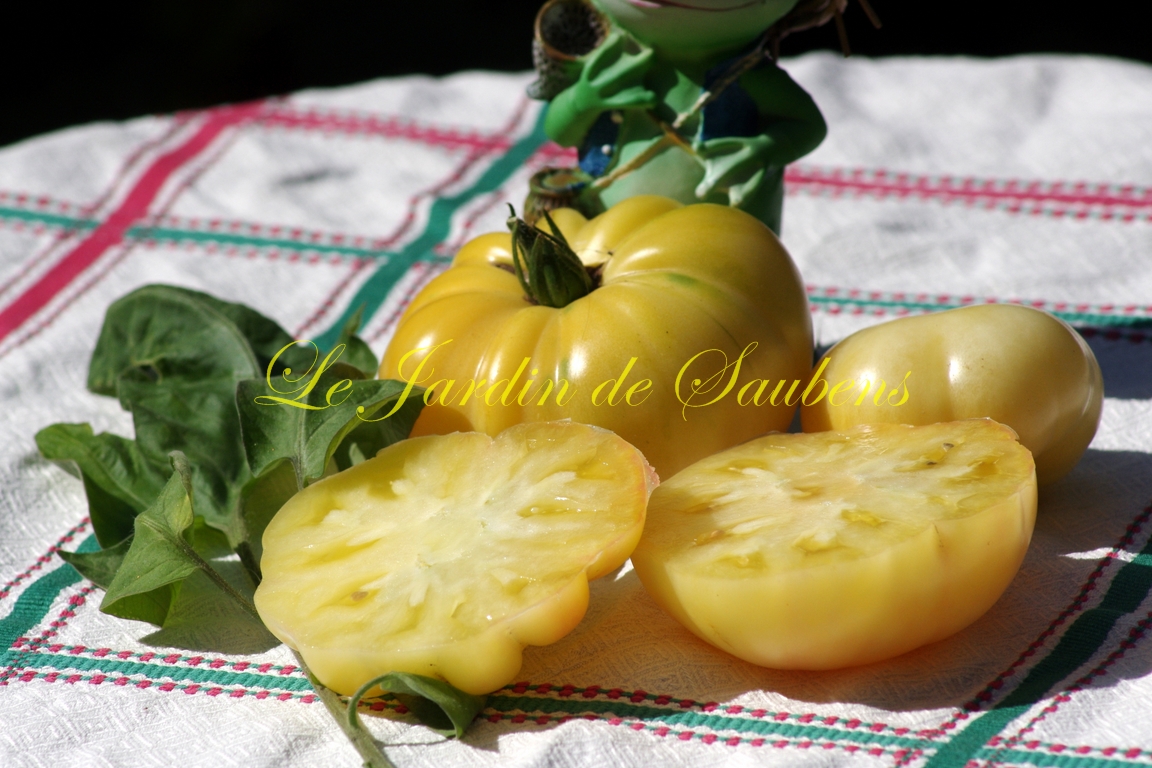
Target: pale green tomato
[{"x": 1017, "y": 365}]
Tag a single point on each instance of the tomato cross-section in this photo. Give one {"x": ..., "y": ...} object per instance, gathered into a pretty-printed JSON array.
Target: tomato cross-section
[{"x": 446, "y": 555}]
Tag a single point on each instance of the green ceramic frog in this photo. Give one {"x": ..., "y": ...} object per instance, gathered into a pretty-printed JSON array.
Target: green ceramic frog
[{"x": 680, "y": 98}]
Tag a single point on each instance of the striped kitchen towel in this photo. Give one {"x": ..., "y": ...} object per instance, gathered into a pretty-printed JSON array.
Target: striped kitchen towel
[{"x": 943, "y": 183}]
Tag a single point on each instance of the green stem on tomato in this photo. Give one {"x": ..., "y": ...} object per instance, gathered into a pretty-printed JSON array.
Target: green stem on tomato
[{"x": 549, "y": 271}]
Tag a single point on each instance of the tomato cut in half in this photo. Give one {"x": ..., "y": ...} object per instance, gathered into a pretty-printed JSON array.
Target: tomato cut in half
[
  {"x": 831, "y": 549},
  {"x": 446, "y": 555}
]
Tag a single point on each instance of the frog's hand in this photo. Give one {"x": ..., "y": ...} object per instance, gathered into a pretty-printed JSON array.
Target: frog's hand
[
  {"x": 746, "y": 190},
  {"x": 611, "y": 78},
  {"x": 788, "y": 115},
  {"x": 736, "y": 165}
]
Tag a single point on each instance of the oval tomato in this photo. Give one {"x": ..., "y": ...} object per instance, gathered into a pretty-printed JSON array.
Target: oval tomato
[
  {"x": 1016, "y": 365},
  {"x": 679, "y": 292}
]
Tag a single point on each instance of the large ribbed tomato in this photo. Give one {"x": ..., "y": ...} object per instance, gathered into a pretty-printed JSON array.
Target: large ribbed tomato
[{"x": 678, "y": 292}]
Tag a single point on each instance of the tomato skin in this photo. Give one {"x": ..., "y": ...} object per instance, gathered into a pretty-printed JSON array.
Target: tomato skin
[
  {"x": 675, "y": 281},
  {"x": 1017, "y": 365}
]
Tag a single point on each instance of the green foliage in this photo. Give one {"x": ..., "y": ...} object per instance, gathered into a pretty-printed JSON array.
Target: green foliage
[
  {"x": 119, "y": 480},
  {"x": 232, "y": 418},
  {"x": 160, "y": 554},
  {"x": 307, "y": 431},
  {"x": 433, "y": 702}
]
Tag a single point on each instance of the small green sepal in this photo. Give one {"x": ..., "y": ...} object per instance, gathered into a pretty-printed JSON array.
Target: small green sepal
[{"x": 549, "y": 271}]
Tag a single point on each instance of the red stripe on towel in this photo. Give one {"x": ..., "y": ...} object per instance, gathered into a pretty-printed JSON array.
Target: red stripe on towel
[
  {"x": 111, "y": 231},
  {"x": 1058, "y": 198}
]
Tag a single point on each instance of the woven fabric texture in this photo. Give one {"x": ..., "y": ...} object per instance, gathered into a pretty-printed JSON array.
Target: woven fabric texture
[{"x": 943, "y": 182}]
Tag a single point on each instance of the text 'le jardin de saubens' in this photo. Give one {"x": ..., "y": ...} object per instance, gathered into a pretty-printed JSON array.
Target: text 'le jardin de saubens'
[{"x": 704, "y": 379}]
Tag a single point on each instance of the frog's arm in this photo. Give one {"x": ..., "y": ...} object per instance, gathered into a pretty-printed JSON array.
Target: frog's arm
[
  {"x": 790, "y": 126},
  {"x": 788, "y": 115},
  {"x": 610, "y": 78}
]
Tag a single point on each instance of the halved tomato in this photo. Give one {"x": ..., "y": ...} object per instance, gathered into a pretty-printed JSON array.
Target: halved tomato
[
  {"x": 445, "y": 555},
  {"x": 825, "y": 550}
]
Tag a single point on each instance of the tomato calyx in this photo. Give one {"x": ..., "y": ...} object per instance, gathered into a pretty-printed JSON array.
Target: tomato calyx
[{"x": 549, "y": 271}]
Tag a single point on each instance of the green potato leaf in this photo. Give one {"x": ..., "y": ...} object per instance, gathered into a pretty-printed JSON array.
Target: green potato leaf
[
  {"x": 205, "y": 617},
  {"x": 161, "y": 554},
  {"x": 435, "y": 703},
  {"x": 98, "y": 567},
  {"x": 199, "y": 419},
  {"x": 161, "y": 332},
  {"x": 359, "y": 355},
  {"x": 120, "y": 481},
  {"x": 356, "y": 353},
  {"x": 174, "y": 356},
  {"x": 305, "y": 422},
  {"x": 202, "y": 619},
  {"x": 152, "y": 606},
  {"x": 371, "y": 437},
  {"x": 264, "y": 336},
  {"x": 261, "y": 500}
]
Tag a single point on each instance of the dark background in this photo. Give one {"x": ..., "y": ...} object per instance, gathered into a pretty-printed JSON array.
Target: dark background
[{"x": 72, "y": 63}]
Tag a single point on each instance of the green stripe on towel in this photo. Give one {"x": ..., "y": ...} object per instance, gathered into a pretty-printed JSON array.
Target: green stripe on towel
[
  {"x": 35, "y": 602},
  {"x": 375, "y": 290},
  {"x": 1086, "y": 636}
]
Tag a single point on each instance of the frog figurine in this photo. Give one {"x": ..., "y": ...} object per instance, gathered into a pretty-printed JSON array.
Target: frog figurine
[{"x": 681, "y": 98}]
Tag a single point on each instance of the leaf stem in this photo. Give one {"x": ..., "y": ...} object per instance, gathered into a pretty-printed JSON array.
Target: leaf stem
[
  {"x": 361, "y": 740},
  {"x": 219, "y": 580}
]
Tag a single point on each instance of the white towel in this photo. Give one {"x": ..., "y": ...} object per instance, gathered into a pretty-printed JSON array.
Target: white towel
[{"x": 942, "y": 182}]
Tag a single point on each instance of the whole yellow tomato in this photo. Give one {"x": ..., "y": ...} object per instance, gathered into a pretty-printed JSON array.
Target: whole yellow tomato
[
  {"x": 1017, "y": 365},
  {"x": 632, "y": 337}
]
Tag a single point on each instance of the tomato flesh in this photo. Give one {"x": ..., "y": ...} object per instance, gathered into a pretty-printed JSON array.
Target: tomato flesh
[
  {"x": 446, "y": 555},
  {"x": 818, "y": 551}
]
